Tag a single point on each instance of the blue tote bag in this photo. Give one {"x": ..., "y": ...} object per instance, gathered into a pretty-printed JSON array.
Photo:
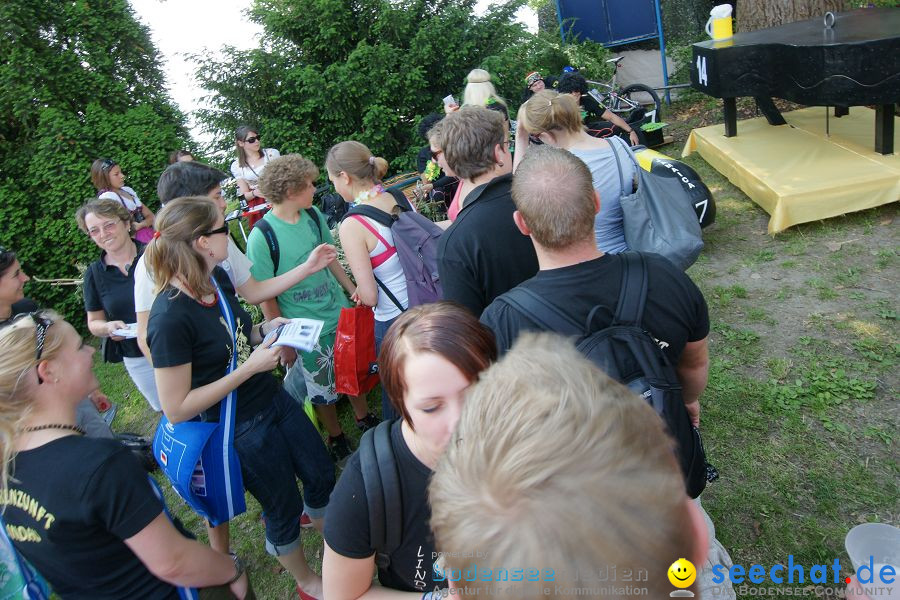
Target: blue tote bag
[
  {"x": 19, "y": 580},
  {"x": 199, "y": 457}
]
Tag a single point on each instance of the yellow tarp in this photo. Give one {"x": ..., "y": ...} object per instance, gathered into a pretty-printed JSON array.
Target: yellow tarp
[{"x": 796, "y": 173}]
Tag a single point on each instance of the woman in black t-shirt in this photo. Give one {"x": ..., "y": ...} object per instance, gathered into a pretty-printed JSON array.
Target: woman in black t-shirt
[
  {"x": 191, "y": 345},
  {"x": 109, "y": 286},
  {"x": 429, "y": 358},
  {"x": 82, "y": 510}
]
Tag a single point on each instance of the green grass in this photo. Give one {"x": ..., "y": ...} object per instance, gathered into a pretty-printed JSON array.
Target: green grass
[{"x": 799, "y": 415}]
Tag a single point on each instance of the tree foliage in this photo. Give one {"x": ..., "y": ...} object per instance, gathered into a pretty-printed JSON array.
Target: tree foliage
[
  {"x": 80, "y": 80},
  {"x": 330, "y": 70}
]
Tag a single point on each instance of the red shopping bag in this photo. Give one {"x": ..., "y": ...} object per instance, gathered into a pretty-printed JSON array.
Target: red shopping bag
[{"x": 354, "y": 351}]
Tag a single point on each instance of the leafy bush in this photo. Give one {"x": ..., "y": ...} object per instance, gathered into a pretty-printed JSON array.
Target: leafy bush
[
  {"x": 367, "y": 70},
  {"x": 80, "y": 82}
]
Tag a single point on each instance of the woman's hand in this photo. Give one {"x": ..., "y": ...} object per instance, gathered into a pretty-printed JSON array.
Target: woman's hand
[
  {"x": 112, "y": 326},
  {"x": 264, "y": 358},
  {"x": 354, "y": 297},
  {"x": 320, "y": 257}
]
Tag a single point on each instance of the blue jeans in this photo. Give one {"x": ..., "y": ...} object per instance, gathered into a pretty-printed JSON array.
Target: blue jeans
[
  {"x": 381, "y": 328},
  {"x": 276, "y": 446}
]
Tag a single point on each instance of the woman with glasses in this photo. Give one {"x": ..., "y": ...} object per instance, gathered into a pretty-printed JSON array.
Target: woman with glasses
[
  {"x": 107, "y": 177},
  {"x": 81, "y": 510},
  {"x": 251, "y": 161},
  {"x": 109, "y": 287},
  {"x": 430, "y": 357},
  {"x": 555, "y": 119},
  {"x": 192, "y": 345}
]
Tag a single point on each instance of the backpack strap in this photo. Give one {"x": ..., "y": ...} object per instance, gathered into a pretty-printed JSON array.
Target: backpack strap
[
  {"x": 633, "y": 293},
  {"x": 379, "y": 260},
  {"x": 382, "y": 485},
  {"x": 537, "y": 309},
  {"x": 315, "y": 218},
  {"x": 376, "y": 214},
  {"x": 612, "y": 148},
  {"x": 401, "y": 199},
  {"x": 271, "y": 242}
]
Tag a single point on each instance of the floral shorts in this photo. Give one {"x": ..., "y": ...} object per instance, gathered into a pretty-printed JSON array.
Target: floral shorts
[{"x": 318, "y": 370}]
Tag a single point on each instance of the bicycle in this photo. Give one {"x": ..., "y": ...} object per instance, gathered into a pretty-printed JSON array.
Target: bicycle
[{"x": 620, "y": 101}]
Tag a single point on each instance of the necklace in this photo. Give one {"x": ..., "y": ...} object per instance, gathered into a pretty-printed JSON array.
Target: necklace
[
  {"x": 365, "y": 195},
  {"x": 74, "y": 428},
  {"x": 209, "y": 304},
  {"x": 199, "y": 299}
]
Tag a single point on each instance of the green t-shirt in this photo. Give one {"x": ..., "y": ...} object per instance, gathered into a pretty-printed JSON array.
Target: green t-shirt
[{"x": 319, "y": 296}]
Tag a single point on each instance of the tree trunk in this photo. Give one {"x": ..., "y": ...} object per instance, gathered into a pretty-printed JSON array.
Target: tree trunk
[{"x": 759, "y": 14}]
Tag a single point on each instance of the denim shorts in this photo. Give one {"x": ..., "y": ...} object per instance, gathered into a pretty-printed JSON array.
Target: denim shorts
[{"x": 276, "y": 446}]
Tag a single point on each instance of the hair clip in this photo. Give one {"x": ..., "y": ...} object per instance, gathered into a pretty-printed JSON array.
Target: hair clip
[
  {"x": 156, "y": 235},
  {"x": 372, "y": 160}
]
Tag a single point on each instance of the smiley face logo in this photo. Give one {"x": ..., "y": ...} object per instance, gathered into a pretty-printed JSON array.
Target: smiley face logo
[{"x": 682, "y": 573}]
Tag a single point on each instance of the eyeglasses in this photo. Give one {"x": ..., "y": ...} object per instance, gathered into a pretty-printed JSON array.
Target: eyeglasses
[
  {"x": 107, "y": 164},
  {"x": 222, "y": 229},
  {"x": 41, "y": 325},
  {"x": 435, "y": 154},
  {"x": 107, "y": 227},
  {"x": 252, "y": 139}
]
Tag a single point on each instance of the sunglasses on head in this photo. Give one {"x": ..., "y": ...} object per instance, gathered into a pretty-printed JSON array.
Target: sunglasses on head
[
  {"x": 41, "y": 325},
  {"x": 252, "y": 139},
  {"x": 107, "y": 164}
]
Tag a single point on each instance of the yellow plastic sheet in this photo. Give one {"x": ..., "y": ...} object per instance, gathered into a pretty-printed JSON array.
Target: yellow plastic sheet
[{"x": 798, "y": 174}]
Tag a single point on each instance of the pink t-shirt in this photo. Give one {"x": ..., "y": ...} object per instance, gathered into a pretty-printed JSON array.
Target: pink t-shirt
[{"x": 453, "y": 211}]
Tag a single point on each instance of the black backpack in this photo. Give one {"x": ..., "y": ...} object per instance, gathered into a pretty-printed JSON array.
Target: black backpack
[
  {"x": 272, "y": 241},
  {"x": 381, "y": 479},
  {"x": 628, "y": 353}
]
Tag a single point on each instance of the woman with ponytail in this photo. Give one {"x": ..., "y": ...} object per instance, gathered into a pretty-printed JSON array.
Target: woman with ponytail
[
  {"x": 368, "y": 245},
  {"x": 192, "y": 346},
  {"x": 555, "y": 119},
  {"x": 82, "y": 510}
]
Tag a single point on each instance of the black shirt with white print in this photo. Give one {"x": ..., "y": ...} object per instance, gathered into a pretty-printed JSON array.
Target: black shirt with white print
[{"x": 347, "y": 521}]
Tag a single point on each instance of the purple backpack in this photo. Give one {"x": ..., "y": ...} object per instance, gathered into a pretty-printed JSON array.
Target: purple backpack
[{"x": 416, "y": 241}]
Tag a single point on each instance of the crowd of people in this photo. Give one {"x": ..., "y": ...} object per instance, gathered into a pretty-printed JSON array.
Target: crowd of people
[{"x": 501, "y": 440}]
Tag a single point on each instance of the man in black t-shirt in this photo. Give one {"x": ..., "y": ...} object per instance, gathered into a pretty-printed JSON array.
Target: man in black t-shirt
[
  {"x": 481, "y": 255},
  {"x": 556, "y": 203}
]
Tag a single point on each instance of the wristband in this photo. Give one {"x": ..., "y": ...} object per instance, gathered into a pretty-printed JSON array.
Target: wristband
[
  {"x": 261, "y": 334},
  {"x": 239, "y": 569}
]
